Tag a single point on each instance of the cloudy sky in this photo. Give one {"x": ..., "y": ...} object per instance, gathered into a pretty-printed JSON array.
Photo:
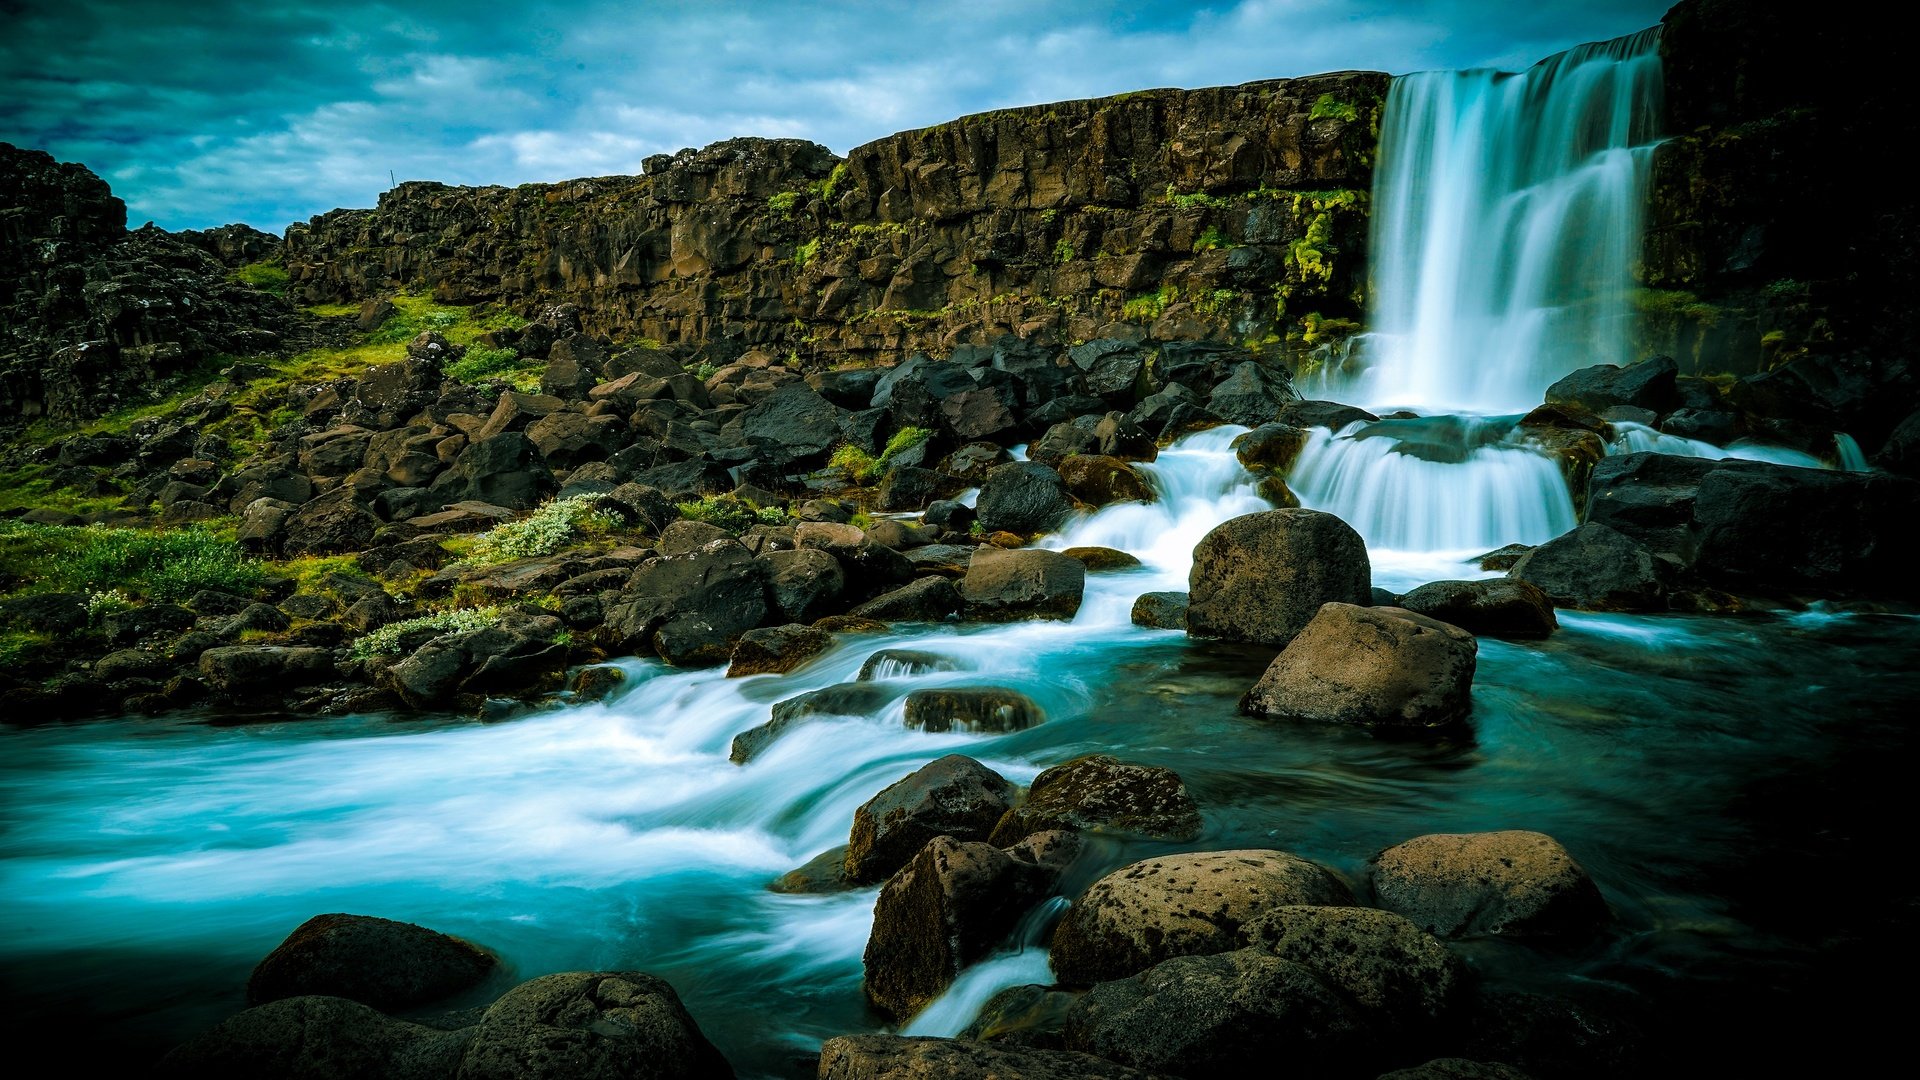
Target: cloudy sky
[{"x": 201, "y": 112}]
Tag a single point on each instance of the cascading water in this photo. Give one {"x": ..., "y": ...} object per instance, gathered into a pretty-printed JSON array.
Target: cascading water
[
  {"x": 1507, "y": 215},
  {"x": 1507, "y": 219}
]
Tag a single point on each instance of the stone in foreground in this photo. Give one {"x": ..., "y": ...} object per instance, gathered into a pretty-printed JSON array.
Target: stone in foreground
[
  {"x": 955, "y": 796},
  {"x": 1262, "y": 577},
  {"x": 897, "y": 1057},
  {"x": 378, "y": 962},
  {"x": 1097, "y": 793},
  {"x": 586, "y": 1025},
  {"x": 1370, "y": 667},
  {"x": 1511, "y": 883}
]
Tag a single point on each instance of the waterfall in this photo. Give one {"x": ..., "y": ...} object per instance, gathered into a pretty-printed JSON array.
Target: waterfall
[{"x": 1507, "y": 219}]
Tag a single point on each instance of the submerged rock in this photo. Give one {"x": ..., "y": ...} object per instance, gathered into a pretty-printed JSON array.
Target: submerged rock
[
  {"x": 1264, "y": 576},
  {"x": 954, "y": 796},
  {"x": 1029, "y": 1015},
  {"x": 1371, "y": 667},
  {"x": 1512, "y": 883},
  {"x": 1097, "y": 793},
  {"x": 841, "y": 699},
  {"x": 379, "y": 962},
  {"x": 972, "y": 708},
  {"x": 824, "y": 873},
  {"x": 1179, "y": 905},
  {"x": 1102, "y": 558}
]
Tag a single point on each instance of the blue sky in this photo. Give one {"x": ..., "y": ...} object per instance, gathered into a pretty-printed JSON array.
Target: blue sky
[{"x": 201, "y": 113}]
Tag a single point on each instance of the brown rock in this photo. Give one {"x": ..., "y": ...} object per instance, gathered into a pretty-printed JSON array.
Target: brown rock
[
  {"x": 1374, "y": 667},
  {"x": 954, "y": 796},
  {"x": 1512, "y": 883},
  {"x": 379, "y": 962},
  {"x": 777, "y": 649},
  {"x": 1005, "y": 586},
  {"x": 1263, "y": 577},
  {"x": 1097, "y": 793}
]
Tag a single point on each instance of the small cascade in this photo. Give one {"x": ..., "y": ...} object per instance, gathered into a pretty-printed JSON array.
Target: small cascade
[
  {"x": 1424, "y": 494},
  {"x": 1507, "y": 218},
  {"x": 1848, "y": 453},
  {"x": 1632, "y": 438}
]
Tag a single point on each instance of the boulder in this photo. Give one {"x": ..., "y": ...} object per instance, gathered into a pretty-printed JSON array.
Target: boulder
[
  {"x": 954, "y": 796},
  {"x": 1507, "y": 608},
  {"x": 1263, "y": 577},
  {"x": 1179, "y": 905},
  {"x": 1512, "y": 883},
  {"x": 870, "y": 566},
  {"x": 897, "y": 663},
  {"x": 1270, "y": 448},
  {"x": 316, "y": 1038},
  {"x": 824, "y": 873},
  {"x": 777, "y": 649},
  {"x": 909, "y": 487},
  {"x": 1371, "y": 667},
  {"x": 691, "y": 610},
  {"x": 804, "y": 584},
  {"x": 1061, "y": 441},
  {"x": 1400, "y": 980},
  {"x": 1776, "y": 528},
  {"x": 1231, "y": 1014},
  {"x": 379, "y": 962},
  {"x": 1096, "y": 559},
  {"x": 1028, "y": 583},
  {"x": 1161, "y": 610},
  {"x": 793, "y": 424},
  {"x": 1457, "y": 1069},
  {"x": 898, "y": 1057},
  {"x": 262, "y": 674},
  {"x": 1250, "y": 395},
  {"x": 1648, "y": 384},
  {"x": 1023, "y": 497},
  {"x": 929, "y": 599},
  {"x": 515, "y": 655},
  {"x": 950, "y": 906},
  {"x": 1101, "y": 794},
  {"x": 972, "y": 708},
  {"x": 1649, "y": 499},
  {"x": 1327, "y": 414},
  {"x": 1119, "y": 438},
  {"x": 1099, "y": 480},
  {"x": 505, "y": 470},
  {"x": 591, "y": 1025},
  {"x": 332, "y": 524},
  {"x": 841, "y": 699},
  {"x": 1596, "y": 568}
]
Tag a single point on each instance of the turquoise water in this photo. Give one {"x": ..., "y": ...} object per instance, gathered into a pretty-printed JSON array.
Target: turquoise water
[{"x": 1720, "y": 778}]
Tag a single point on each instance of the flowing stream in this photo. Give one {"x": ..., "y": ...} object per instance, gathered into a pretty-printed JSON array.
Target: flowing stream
[{"x": 148, "y": 864}]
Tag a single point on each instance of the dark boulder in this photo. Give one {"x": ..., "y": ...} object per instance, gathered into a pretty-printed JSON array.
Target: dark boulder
[
  {"x": 950, "y": 906},
  {"x": 1507, "y": 608},
  {"x": 1327, "y": 414},
  {"x": 505, "y": 470},
  {"x": 824, "y": 873},
  {"x": 332, "y": 524},
  {"x": 841, "y": 699},
  {"x": 1023, "y": 497},
  {"x": 316, "y": 1038},
  {"x": 1101, "y": 794},
  {"x": 1161, "y": 610},
  {"x": 691, "y": 610},
  {"x": 1263, "y": 577},
  {"x": 1648, "y": 384},
  {"x": 1250, "y": 395},
  {"x": 927, "y": 599},
  {"x": 591, "y": 1025},
  {"x": 1027, "y": 583},
  {"x": 804, "y": 584},
  {"x": 954, "y": 796},
  {"x": 1847, "y": 532},
  {"x": 513, "y": 656},
  {"x": 379, "y": 962},
  {"x": 793, "y": 424},
  {"x": 896, "y": 663},
  {"x": 1596, "y": 568},
  {"x": 1099, "y": 480},
  {"x": 777, "y": 649},
  {"x": 971, "y": 708},
  {"x": 1402, "y": 982},
  {"x": 262, "y": 674},
  {"x": 1270, "y": 448}
]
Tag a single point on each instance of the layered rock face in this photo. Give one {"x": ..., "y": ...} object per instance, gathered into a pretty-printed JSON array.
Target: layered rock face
[
  {"x": 1760, "y": 251},
  {"x": 1226, "y": 213},
  {"x": 93, "y": 316}
]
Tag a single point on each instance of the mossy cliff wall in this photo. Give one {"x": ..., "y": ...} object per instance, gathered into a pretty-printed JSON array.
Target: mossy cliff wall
[{"x": 1230, "y": 213}]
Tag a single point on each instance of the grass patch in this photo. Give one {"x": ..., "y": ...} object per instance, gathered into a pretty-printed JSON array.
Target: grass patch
[
  {"x": 553, "y": 527},
  {"x": 782, "y": 204},
  {"x": 731, "y": 513},
  {"x": 163, "y": 565},
  {"x": 386, "y": 641},
  {"x": 481, "y": 363},
  {"x": 35, "y": 487},
  {"x": 268, "y": 277},
  {"x": 855, "y": 462},
  {"x": 1328, "y": 107},
  {"x": 804, "y": 254}
]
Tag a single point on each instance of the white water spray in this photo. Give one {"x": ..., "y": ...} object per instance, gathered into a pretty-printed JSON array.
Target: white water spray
[{"x": 1507, "y": 218}]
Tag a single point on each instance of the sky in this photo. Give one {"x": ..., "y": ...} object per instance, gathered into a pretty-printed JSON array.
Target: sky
[{"x": 203, "y": 112}]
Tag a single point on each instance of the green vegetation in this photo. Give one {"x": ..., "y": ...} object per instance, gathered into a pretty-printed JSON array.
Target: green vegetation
[
  {"x": 481, "y": 363},
  {"x": 1211, "y": 238},
  {"x": 1785, "y": 289},
  {"x": 554, "y": 526},
  {"x": 387, "y": 640},
  {"x": 1063, "y": 251},
  {"x": 268, "y": 277},
  {"x": 855, "y": 462},
  {"x": 1675, "y": 304},
  {"x": 782, "y": 204},
  {"x": 732, "y": 513},
  {"x": 804, "y": 254},
  {"x": 865, "y": 468},
  {"x": 1329, "y": 107},
  {"x": 1149, "y": 306},
  {"x": 164, "y": 565},
  {"x": 1198, "y": 200},
  {"x": 832, "y": 183}
]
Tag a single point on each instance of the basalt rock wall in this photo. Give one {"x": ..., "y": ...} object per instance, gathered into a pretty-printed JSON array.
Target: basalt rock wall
[{"x": 1230, "y": 213}]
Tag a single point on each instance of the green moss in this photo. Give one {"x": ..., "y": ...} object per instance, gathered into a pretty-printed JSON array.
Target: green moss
[
  {"x": 731, "y": 513},
  {"x": 804, "y": 254},
  {"x": 856, "y": 463},
  {"x": 1063, "y": 251},
  {"x": 268, "y": 277},
  {"x": 831, "y": 185},
  {"x": 782, "y": 204},
  {"x": 22, "y": 648},
  {"x": 556, "y": 525},
  {"x": 35, "y": 487},
  {"x": 161, "y": 564},
  {"x": 1328, "y": 107},
  {"x": 1149, "y": 306},
  {"x": 1198, "y": 200},
  {"x": 482, "y": 363},
  {"x": 1211, "y": 238}
]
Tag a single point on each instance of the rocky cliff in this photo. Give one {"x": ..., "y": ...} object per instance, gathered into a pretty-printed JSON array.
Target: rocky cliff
[
  {"x": 1782, "y": 236},
  {"x": 93, "y": 316},
  {"x": 1231, "y": 213}
]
